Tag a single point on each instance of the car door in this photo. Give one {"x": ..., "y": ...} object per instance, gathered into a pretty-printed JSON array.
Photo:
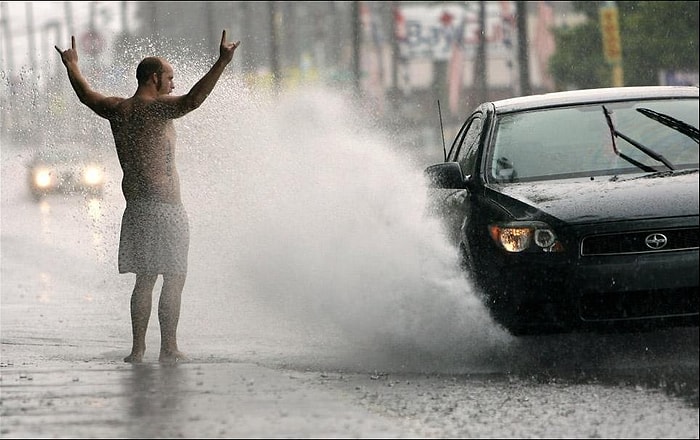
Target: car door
[{"x": 453, "y": 203}]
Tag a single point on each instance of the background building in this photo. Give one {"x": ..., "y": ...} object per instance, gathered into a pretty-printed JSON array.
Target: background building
[{"x": 399, "y": 57}]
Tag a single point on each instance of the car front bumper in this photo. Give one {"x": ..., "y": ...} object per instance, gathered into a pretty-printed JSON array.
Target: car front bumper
[{"x": 545, "y": 295}]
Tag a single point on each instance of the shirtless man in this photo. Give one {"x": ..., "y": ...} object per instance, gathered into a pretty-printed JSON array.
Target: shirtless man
[{"x": 154, "y": 238}]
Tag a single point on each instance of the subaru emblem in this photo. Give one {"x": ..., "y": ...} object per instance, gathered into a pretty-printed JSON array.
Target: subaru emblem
[{"x": 656, "y": 241}]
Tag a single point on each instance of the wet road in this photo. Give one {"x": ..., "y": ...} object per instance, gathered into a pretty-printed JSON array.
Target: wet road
[{"x": 312, "y": 309}]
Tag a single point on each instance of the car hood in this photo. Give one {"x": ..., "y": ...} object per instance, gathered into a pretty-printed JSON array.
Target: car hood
[{"x": 651, "y": 196}]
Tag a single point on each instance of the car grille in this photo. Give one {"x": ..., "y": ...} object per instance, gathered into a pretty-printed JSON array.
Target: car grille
[
  {"x": 637, "y": 242},
  {"x": 656, "y": 303}
]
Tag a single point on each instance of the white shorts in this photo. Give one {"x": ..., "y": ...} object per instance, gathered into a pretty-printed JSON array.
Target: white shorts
[{"x": 154, "y": 238}]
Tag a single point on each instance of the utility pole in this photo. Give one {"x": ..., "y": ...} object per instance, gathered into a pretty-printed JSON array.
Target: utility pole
[
  {"x": 394, "y": 45},
  {"x": 439, "y": 85},
  {"x": 152, "y": 15},
  {"x": 440, "y": 79},
  {"x": 274, "y": 43},
  {"x": 612, "y": 46},
  {"x": 91, "y": 23},
  {"x": 123, "y": 42},
  {"x": 523, "y": 56},
  {"x": 356, "y": 45},
  {"x": 68, "y": 10},
  {"x": 7, "y": 117},
  {"x": 335, "y": 37},
  {"x": 30, "y": 39},
  {"x": 55, "y": 27},
  {"x": 8, "y": 39},
  {"x": 394, "y": 89},
  {"x": 480, "y": 61},
  {"x": 246, "y": 26},
  {"x": 124, "y": 18},
  {"x": 214, "y": 36}
]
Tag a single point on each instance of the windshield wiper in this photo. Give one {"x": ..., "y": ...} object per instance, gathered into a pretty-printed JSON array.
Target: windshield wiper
[
  {"x": 670, "y": 121},
  {"x": 649, "y": 152}
]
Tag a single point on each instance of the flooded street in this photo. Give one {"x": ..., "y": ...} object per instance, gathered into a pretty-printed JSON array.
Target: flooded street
[{"x": 321, "y": 301}]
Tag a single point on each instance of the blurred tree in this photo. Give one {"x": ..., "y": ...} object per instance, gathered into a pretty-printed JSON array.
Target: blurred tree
[{"x": 655, "y": 35}]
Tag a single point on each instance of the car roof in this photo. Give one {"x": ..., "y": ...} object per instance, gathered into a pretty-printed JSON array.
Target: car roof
[{"x": 587, "y": 96}]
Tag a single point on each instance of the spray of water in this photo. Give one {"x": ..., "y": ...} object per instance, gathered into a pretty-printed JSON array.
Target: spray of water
[
  {"x": 311, "y": 242},
  {"x": 300, "y": 200},
  {"x": 305, "y": 214}
]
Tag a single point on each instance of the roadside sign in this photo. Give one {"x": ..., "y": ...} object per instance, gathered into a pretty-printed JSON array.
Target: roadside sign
[{"x": 430, "y": 31}]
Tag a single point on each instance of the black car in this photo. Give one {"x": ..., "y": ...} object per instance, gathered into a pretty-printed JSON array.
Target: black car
[
  {"x": 578, "y": 210},
  {"x": 66, "y": 170}
]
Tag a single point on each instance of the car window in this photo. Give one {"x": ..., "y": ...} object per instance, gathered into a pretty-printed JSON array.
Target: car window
[
  {"x": 576, "y": 141},
  {"x": 469, "y": 143}
]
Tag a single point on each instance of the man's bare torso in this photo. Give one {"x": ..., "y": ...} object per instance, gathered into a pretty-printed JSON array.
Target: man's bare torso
[{"x": 145, "y": 143}]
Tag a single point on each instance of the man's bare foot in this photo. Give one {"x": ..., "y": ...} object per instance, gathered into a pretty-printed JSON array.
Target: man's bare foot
[
  {"x": 172, "y": 357},
  {"x": 134, "y": 358}
]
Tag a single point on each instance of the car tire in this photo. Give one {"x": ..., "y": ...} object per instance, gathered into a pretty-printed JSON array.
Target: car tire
[{"x": 497, "y": 312}]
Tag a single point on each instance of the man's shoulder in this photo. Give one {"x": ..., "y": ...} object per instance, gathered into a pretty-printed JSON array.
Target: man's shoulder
[
  {"x": 148, "y": 101},
  {"x": 134, "y": 102},
  {"x": 114, "y": 101}
]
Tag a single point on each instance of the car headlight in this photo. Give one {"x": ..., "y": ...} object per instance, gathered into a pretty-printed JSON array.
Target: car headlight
[
  {"x": 520, "y": 237},
  {"x": 93, "y": 175},
  {"x": 44, "y": 178}
]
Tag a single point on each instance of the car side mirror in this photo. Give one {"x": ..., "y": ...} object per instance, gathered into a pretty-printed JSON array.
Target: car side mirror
[{"x": 447, "y": 175}]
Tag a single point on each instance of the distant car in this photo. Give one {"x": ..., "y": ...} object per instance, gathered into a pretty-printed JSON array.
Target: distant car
[
  {"x": 66, "y": 170},
  {"x": 578, "y": 210}
]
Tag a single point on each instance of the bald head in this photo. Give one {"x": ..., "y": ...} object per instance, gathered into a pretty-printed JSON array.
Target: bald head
[{"x": 147, "y": 67}]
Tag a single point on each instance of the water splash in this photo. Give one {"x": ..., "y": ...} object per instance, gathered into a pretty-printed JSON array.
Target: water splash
[
  {"x": 322, "y": 216},
  {"x": 310, "y": 236}
]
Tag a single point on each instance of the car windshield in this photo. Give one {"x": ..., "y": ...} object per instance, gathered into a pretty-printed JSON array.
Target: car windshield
[{"x": 577, "y": 141}]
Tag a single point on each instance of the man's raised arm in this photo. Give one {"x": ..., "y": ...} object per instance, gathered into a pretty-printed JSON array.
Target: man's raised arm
[
  {"x": 201, "y": 90},
  {"x": 94, "y": 100}
]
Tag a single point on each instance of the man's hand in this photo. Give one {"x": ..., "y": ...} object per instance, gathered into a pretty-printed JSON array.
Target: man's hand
[
  {"x": 226, "y": 50},
  {"x": 69, "y": 55}
]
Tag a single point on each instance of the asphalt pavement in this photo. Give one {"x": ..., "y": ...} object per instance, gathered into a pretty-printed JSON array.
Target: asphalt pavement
[{"x": 60, "y": 399}]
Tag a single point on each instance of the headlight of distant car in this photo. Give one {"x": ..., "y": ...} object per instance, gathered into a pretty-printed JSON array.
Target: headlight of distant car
[
  {"x": 93, "y": 175},
  {"x": 526, "y": 236},
  {"x": 44, "y": 178}
]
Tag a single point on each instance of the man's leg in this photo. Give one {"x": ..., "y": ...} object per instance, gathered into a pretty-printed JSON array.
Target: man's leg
[
  {"x": 169, "y": 315},
  {"x": 141, "y": 300}
]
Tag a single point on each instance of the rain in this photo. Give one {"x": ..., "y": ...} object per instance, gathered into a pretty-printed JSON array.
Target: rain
[{"x": 315, "y": 262}]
